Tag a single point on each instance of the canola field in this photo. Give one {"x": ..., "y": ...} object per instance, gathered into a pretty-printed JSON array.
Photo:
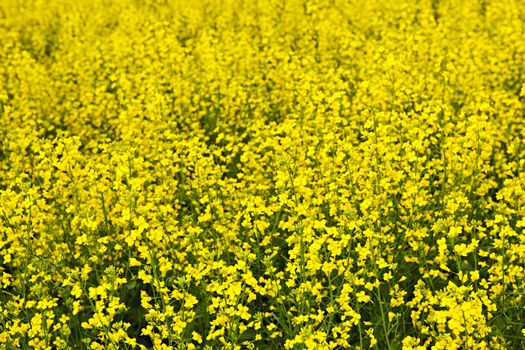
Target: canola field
[{"x": 262, "y": 174}]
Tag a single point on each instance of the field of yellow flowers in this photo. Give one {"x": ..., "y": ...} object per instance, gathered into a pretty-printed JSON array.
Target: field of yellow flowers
[{"x": 262, "y": 174}]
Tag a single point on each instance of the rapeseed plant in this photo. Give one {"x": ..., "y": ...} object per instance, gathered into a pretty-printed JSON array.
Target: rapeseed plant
[{"x": 302, "y": 174}]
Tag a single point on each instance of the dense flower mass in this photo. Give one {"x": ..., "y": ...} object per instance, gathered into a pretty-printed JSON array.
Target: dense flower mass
[{"x": 262, "y": 174}]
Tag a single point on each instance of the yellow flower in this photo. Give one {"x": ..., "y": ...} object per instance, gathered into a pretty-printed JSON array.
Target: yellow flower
[
  {"x": 196, "y": 337},
  {"x": 362, "y": 297}
]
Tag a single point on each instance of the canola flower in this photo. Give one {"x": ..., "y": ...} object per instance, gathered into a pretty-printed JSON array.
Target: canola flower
[{"x": 262, "y": 174}]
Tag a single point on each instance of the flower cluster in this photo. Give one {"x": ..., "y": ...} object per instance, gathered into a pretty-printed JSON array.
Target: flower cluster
[{"x": 262, "y": 174}]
